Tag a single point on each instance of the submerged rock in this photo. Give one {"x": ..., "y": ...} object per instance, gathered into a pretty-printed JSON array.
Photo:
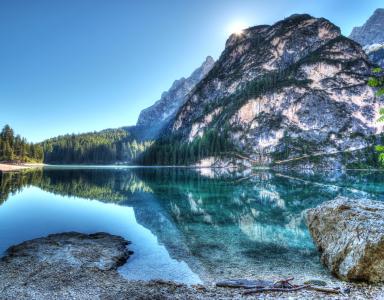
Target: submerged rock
[{"x": 349, "y": 233}]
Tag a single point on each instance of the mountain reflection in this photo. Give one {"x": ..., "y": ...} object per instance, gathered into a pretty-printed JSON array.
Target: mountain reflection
[{"x": 238, "y": 224}]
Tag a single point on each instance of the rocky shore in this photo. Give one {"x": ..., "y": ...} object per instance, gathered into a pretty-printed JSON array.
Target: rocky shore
[{"x": 79, "y": 266}]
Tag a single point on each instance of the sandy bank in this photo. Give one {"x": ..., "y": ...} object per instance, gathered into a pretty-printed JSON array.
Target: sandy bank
[{"x": 14, "y": 167}]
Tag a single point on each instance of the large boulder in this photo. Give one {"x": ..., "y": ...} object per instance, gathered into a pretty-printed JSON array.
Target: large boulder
[{"x": 349, "y": 233}]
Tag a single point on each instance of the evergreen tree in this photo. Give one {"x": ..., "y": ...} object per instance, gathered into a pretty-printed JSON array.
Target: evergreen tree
[
  {"x": 16, "y": 149},
  {"x": 104, "y": 147}
]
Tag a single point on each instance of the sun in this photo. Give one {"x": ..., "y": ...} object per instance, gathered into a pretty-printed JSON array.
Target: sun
[{"x": 237, "y": 27}]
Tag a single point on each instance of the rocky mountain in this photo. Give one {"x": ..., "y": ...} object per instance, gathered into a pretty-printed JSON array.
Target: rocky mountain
[
  {"x": 156, "y": 116},
  {"x": 278, "y": 94},
  {"x": 372, "y": 31},
  {"x": 375, "y": 53},
  {"x": 371, "y": 37}
]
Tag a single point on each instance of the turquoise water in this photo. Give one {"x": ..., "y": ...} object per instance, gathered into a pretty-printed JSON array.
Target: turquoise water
[{"x": 186, "y": 225}]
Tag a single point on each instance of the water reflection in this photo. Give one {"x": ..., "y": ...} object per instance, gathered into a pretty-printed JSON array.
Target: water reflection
[{"x": 203, "y": 224}]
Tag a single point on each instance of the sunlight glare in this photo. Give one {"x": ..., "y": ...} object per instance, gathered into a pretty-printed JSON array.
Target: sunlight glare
[{"x": 237, "y": 27}]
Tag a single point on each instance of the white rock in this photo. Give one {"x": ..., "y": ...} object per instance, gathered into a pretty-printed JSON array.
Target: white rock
[{"x": 349, "y": 233}]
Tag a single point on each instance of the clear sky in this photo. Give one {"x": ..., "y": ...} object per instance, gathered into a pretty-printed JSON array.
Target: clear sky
[{"x": 82, "y": 65}]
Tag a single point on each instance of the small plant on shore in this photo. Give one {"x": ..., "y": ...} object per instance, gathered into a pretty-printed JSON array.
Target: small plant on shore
[{"x": 377, "y": 81}]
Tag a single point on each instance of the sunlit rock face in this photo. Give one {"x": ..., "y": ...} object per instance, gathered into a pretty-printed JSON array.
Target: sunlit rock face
[
  {"x": 156, "y": 116},
  {"x": 371, "y": 37},
  {"x": 294, "y": 88}
]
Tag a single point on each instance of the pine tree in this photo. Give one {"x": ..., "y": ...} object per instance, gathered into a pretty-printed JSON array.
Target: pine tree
[{"x": 15, "y": 148}]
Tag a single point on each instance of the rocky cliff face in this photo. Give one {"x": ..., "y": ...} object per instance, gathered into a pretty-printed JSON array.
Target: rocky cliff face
[
  {"x": 372, "y": 31},
  {"x": 376, "y": 54},
  {"x": 371, "y": 37},
  {"x": 154, "y": 117},
  {"x": 280, "y": 92}
]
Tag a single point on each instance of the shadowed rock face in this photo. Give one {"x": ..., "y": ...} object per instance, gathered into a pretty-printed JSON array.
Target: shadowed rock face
[
  {"x": 282, "y": 91},
  {"x": 350, "y": 236},
  {"x": 156, "y": 116}
]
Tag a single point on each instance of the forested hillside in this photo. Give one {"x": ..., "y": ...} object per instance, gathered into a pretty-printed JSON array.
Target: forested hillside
[
  {"x": 14, "y": 148},
  {"x": 171, "y": 150},
  {"x": 107, "y": 146}
]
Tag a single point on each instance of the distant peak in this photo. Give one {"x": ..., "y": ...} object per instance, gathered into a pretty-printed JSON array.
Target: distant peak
[
  {"x": 371, "y": 32},
  {"x": 204, "y": 68},
  {"x": 209, "y": 60},
  {"x": 156, "y": 116}
]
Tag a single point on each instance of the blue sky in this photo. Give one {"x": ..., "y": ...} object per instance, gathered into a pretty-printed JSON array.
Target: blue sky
[{"x": 74, "y": 66}]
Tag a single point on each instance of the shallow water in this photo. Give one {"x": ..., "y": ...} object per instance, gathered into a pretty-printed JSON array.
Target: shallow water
[{"x": 185, "y": 225}]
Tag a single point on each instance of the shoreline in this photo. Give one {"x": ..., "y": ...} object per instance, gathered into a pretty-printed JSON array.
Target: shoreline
[
  {"x": 11, "y": 167},
  {"x": 7, "y": 167},
  {"x": 91, "y": 271}
]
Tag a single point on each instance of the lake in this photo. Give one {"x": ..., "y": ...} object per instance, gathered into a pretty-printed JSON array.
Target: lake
[{"x": 185, "y": 225}]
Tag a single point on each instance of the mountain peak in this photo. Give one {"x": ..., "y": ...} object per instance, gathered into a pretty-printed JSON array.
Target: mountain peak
[
  {"x": 270, "y": 85},
  {"x": 200, "y": 72},
  {"x": 372, "y": 30},
  {"x": 209, "y": 60},
  {"x": 289, "y": 26}
]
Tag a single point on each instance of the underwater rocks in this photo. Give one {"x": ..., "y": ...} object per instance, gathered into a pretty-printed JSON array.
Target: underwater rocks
[{"x": 349, "y": 233}]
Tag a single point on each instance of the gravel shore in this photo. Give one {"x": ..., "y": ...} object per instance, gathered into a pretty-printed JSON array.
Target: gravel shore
[{"x": 79, "y": 266}]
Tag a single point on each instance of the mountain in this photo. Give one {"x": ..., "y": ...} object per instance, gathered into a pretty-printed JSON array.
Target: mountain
[
  {"x": 375, "y": 53},
  {"x": 372, "y": 31},
  {"x": 371, "y": 37},
  {"x": 293, "y": 91},
  {"x": 156, "y": 116}
]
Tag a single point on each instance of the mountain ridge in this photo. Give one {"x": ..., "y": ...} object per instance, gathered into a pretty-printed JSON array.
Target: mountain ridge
[
  {"x": 260, "y": 96},
  {"x": 156, "y": 116},
  {"x": 371, "y": 32},
  {"x": 371, "y": 36}
]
